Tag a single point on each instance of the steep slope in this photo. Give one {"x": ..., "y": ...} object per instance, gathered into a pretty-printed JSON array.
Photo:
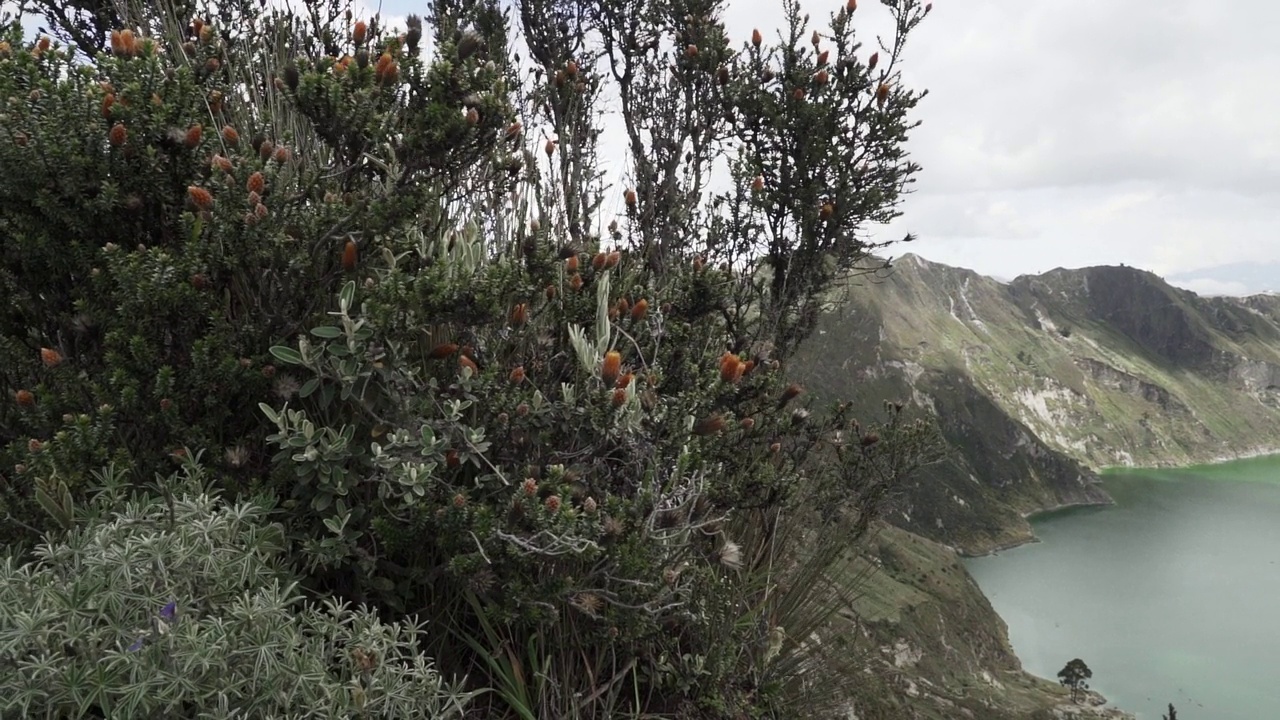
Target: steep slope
[
  {"x": 1035, "y": 384},
  {"x": 1039, "y": 381}
]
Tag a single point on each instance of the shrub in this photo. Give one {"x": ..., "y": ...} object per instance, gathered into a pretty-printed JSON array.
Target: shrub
[{"x": 176, "y": 604}]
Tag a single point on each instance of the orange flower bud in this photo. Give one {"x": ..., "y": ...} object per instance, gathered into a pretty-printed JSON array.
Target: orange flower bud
[
  {"x": 107, "y": 102},
  {"x": 639, "y": 310},
  {"x": 200, "y": 197},
  {"x": 550, "y": 292},
  {"x": 792, "y": 392},
  {"x": 612, "y": 259},
  {"x": 517, "y": 375},
  {"x": 128, "y": 42},
  {"x": 118, "y": 134},
  {"x": 821, "y": 77},
  {"x": 709, "y": 425},
  {"x": 552, "y": 503},
  {"x": 281, "y": 155},
  {"x": 624, "y": 380},
  {"x": 442, "y": 350},
  {"x": 192, "y": 138},
  {"x": 630, "y": 197},
  {"x": 575, "y": 282},
  {"x": 360, "y": 32},
  {"x": 691, "y": 51},
  {"x": 571, "y": 263},
  {"x": 571, "y": 68},
  {"x": 748, "y": 423},
  {"x": 597, "y": 262},
  {"x": 882, "y": 94},
  {"x": 230, "y": 136},
  {"x": 256, "y": 183},
  {"x": 550, "y": 147},
  {"x": 619, "y": 397},
  {"x": 756, "y": 38},
  {"x": 610, "y": 367},
  {"x": 459, "y": 500},
  {"x": 798, "y": 94},
  {"x": 873, "y": 61},
  {"x": 349, "y": 256},
  {"x": 730, "y": 368},
  {"x": 25, "y": 398},
  {"x": 722, "y": 75},
  {"x": 519, "y": 314},
  {"x": 50, "y": 357},
  {"x": 822, "y": 57},
  {"x": 468, "y": 363},
  {"x": 827, "y": 211},
  {"x": 851, "y": 5}
]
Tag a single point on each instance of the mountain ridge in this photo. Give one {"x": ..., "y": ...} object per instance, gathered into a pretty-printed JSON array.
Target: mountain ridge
[{"x": 1036, "y": 384}]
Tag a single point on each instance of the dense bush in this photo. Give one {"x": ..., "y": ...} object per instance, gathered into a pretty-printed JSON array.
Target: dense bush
[
  {"x": 343, "y": 269},
  {"x": 176, "y": 606}
]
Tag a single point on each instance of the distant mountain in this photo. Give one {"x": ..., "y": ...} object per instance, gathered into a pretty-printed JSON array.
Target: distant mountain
[{"x": 1036, "y": 384}]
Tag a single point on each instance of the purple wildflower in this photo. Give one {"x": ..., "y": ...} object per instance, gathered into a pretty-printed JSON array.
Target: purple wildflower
[
  {"x": 168, "y": 611},
  {"x": 137, "y": 644}
]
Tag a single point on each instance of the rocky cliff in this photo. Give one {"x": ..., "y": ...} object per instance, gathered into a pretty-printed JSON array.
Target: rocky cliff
[{"x": 1036, "y": 384}]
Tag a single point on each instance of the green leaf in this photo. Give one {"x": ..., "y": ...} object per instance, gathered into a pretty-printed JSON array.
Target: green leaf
[
  {"x": 428, "y": 436},
  {"x": 327, "y": 332},
  {"x": 308, "y": 387},
  {"x": 286, "y": 354},
  {"x": 321, "y": 502},
  {"x": 347, "y": 295}
]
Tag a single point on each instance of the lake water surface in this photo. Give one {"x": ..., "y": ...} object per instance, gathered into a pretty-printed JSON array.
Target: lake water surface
[{"x": 1172, "y": 595}]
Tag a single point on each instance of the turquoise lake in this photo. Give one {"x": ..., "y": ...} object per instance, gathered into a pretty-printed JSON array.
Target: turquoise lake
[{"x": 1170, "y": 596}]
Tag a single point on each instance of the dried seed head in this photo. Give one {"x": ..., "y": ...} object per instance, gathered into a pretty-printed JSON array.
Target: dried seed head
[
  {"x": 730, "y": 555},
  {"x": 221, "y": 163},
  {"x": 530, "y": 487},
  {"x": 709, "y": 425},
  {"x": 256, "y": 183},
  {"x": 589, "y": 505}
]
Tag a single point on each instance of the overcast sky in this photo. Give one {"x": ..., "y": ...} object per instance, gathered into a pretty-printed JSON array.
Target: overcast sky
[{"x": 1083, "y": 133}]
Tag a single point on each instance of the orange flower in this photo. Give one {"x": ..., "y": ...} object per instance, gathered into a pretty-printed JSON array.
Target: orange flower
[
  {"x": 639, "y": 310},
  {"x": 192, "y": 138},
  {"x": 550, "y": 292},
  {"x": 360, "y": 32},
  {"x": 469, "y": 364},
  {"x": 519, "y": 314},
  {"x": 349, "y": 256},
  {"x": 748, "y": 366},
  {"x": 118, "y": 134},
  {"x": 851, "y": 5},
  {"x": 25, "y": 398},
  {"x": 459, "y": 500},
  {"x": 619, "y": 397},
  {"x": 691, "y": 51},
  {"x": 758, "y": 183},
  {"x": 571, "y": 68},
  {"x": 200, "y": 197},
  {"x": 254, "y": 198},
  {"x": 282, "y": 155},
  {"x": 756, "y": 38},
  {"x": 517, "y": 375},
  {"x": 882, "y": 94},
  {"x": 730, "y": 368},
  {"x": 821, "y": 77},
  {"x": 513, "y": 131},
  {"x": 709, "y": 425},
  {"x": 265, "y": 149},
  {"x": 442, "y": 350},
  {"x": 473, "y": 116},
  {"x": 597, "y": 262},
  {"x": 107, "y": 102},
  {"x": 610, "y": 367},
  {"x": 117, "y": 44},
  {"x": 571, "y": 263},
  {"x": 50, "y": 357},
  {"x": 798, "y": 94},
  {"x": 552, "y": 503},
  {"x": 748, "y": 423},
  {"x": 624, "y": 380},
  {"x": 550, "y": 147},
  {"x": 256, "y": 183},
  {"x": 827, "y": 211},
  {"x": 230, "y": 136},
  {"x": 612, "y": 260},
  {"x": 630, "y": 196},
  {"x": 575, "y": 282},
  {"x": 793, "y": 390},
  {"x": 822, "y": 57},
  {"x": 129, "y": 42},
  {"x": 260, "y": 210}
]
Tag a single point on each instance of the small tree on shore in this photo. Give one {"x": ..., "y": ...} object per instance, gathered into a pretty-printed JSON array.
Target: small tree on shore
[
  {"x": 1075, "y": 676},
  {"x": 1173, "y": 714}
]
